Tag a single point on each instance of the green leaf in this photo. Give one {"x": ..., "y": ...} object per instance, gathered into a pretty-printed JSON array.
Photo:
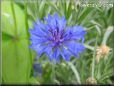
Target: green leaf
[
  {"x": 8, "y": 21},
  {"x": 75, "y": 72},
  {"x": 15, "y": 51},
  {"x": 6, "y": 36},
  {"x": 32, "y": 81},
  {"x": 109, "y": 30}
]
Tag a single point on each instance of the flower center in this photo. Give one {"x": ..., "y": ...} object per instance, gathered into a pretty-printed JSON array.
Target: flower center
[{"x": 57, "y": 36}]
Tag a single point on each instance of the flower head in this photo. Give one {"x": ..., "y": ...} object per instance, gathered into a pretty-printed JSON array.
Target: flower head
[
  {"x": 91, "y": 81},
  {"x": 55, "y": 39},
  {"x": 102, "y": 51}
]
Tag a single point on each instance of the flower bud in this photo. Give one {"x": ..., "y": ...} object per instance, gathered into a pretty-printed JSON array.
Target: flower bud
[
  {"x": 91, "y": 81},
  {"x": 102, "y": 51}
]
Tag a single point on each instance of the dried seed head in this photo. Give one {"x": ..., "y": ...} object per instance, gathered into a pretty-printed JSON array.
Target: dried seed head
[
  {"x": 91, "y": 81},
  {"x": 102, "y": 51}
]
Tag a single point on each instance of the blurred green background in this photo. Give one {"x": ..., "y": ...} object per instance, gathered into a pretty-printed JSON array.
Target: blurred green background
[{"x": 17, "y": 17}]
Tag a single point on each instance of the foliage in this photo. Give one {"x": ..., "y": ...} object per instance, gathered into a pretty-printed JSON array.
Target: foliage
[{"x": 18, "y": 59}]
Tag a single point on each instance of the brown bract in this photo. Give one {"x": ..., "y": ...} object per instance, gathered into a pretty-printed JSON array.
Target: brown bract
[
  {"x": 91, "y": 81},
  {"x": 102, "y": 51}
]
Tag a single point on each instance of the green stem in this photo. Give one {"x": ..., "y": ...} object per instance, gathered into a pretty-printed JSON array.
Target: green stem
[
  {"x": 75, "y": 72},
  {"x": 98, "y": 70},
  {"x": 78, "y": 14},
  {"x": 53, "y": 73},
  {"x": 93, "y": 60},
  {"x": 104, "y": 76},
  {"x": 107, "y": 34},
  {"x": 93, "y": 67},
  {"x": 89, "y": 47}
]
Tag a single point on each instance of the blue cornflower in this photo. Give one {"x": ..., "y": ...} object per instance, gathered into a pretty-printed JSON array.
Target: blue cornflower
[{"x": 55, "y": 39}]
